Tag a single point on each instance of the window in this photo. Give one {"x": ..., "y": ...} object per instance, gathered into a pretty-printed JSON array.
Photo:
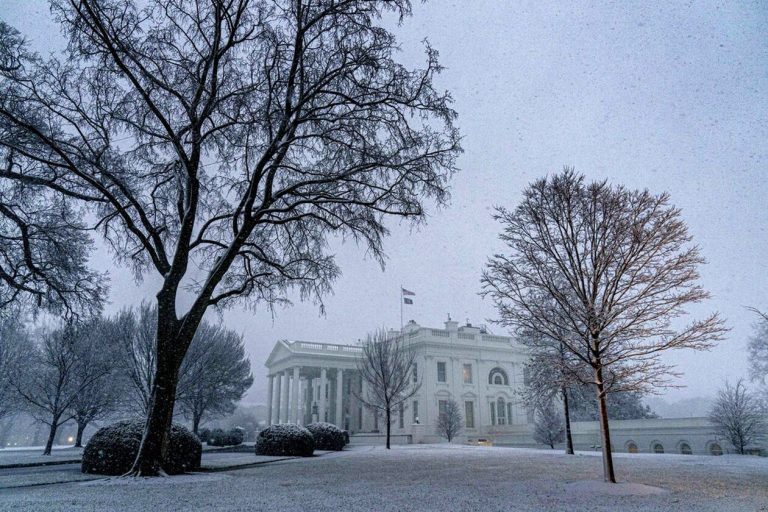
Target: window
[
  {"x": 441, "y": 372},
  {"x": 467, "y": 372},
  {"x": 416, "y": 411},
  {"x": 415, "y": 373},
  {"x": 685, "y": 449},
  {"x": 509, "y": 413},
  {"x": 469, "y": 414},
  {"x": 442, "y": 407},
  {"x": 501, "y": 411},
  {"x": 493, "y": 413},
  {"x": 632, "y": 447},
  {"x": 715, "y": 449},
  {"x": 526, "y": 376},
  {"x": 657, "y": 448},
  {"x": 401, "y": 415},
  {"x": 498, "y": 377}
]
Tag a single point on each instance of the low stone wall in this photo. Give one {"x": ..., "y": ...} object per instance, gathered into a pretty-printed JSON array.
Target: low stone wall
[{"x": 663, "y": 435}]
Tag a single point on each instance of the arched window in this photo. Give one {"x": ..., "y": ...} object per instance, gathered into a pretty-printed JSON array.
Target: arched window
[
  {"x": 632, "y": 447},
  {"x": 685, "y": 449},
  {"x": 498, "y": 377},
  {"x": 657, "y": 448},
  {"x": 715, "y": 449},
  {"x": 501, "y": 411},
  {"x": 509, "y": 413}
]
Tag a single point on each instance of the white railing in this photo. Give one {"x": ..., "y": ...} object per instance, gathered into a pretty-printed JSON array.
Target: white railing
[{"x": 328, "y": 347}]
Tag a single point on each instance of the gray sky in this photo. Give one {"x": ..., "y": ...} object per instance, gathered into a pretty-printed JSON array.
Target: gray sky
[{"x": 665, "y": 97}]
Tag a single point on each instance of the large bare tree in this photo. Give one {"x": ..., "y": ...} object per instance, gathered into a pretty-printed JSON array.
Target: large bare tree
[
  {"x": 758, "y": 349},
  {"x": 219, "y": 144},
  {"x": 386, "y": 366},
  {"x": 739, "y": 416},
  {"x": 621, "y": 268},
  {"x": 14, "y": 344}
]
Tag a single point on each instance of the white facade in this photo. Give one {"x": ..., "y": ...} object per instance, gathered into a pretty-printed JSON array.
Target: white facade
[{"x": 482, "y": 372}]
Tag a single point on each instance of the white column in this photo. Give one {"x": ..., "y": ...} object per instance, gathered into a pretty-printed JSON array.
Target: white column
[
  {"x": 284, "y": 395},
  {"x": 295, "y": 396},
  {"x": 339, "y": 398},
  {"x": 270, "y": 405},
  {"x": 364, "y": 396},
  {"x": 276, "y": 400},
  {"x": 323, "y": 402}
]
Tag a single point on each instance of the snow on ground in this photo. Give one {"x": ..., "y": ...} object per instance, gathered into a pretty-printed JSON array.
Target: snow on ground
[
  {"x": 34, "y": 455},
  {"x": 433, "y": 477}
]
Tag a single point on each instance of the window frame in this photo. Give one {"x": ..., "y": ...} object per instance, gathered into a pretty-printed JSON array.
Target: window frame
[{"x": 444, "y": 365}]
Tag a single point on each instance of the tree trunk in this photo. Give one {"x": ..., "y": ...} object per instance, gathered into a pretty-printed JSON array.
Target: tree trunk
[
  {"x": 51, "y": 437},
  {"x": 80, "y": 429},
  {"x": 567, "y": 413},
  {"x": 195, "y": 423},
  {"x": 608, "y": 474},
  {"x": 389, "y": 413}
]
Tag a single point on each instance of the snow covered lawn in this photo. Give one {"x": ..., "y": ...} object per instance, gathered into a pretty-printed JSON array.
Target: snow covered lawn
[
  {"x": 430, "y": 477},
  {"x": 34, "y": 455}
]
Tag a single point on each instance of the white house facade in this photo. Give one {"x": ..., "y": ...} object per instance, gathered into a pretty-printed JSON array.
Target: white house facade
[
  {"x": 482, "y": 372},
  {"x": 310, "y": 381}
]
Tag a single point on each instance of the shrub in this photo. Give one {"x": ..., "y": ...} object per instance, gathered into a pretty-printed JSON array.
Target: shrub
[
  {"x": 112, "y": 449},
  {"x": 346, "y": 436},
  {"x": 285, "y": 439},
  {"x": 219, "y": 437},
  {"x": 327, "y": 436},
  {"x": 204, "y": 434}
]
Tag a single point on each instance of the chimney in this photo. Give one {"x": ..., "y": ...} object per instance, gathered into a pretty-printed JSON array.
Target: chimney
[{"x": 450, "y": 325}]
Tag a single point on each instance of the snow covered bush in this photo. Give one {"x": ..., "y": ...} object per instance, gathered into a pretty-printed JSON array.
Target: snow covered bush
[
  {"x": 346, "y": 436},
  {"x": 219, "y": 437},
  {"x": 285, "y": 439},
  {"x": 112, "y": 450},
  {"x": 327, "y": 436}
]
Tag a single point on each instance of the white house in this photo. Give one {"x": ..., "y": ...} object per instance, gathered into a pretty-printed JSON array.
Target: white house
[{"x": 311, "y": 381}]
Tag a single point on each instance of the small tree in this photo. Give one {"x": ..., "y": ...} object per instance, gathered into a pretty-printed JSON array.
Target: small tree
[
  {"x": 95, "y": 374},
  {"x": 548, "y": 426},
  {"x": 215, "y": 374},
  {"x": 619, "y": 266},
  {"x": 758, "y": 349},
  {"x": 386, "y": 365},
  {"x": 55, "y": 377},
  {"x": 450, "y": 422},
  {"x": 738, "y": 416}
]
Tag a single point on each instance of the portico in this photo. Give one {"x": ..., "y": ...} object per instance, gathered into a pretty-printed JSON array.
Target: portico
[{"x": 309, "y": 382}]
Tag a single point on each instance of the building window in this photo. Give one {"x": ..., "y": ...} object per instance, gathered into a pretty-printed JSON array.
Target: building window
[
  {"x": 632, "y": 447},
  {"x": 509, "y": 413},
  {"x": 715, "y": 449},
  {"x": 415, "y": 373},
  {"x": 469, "y": 414},
  {"x": 657, "y": 448},
  {"x": 498, "y": 377},
  {"x": 441, "y": 376},
  {"x": 501, "y": 411},
  {"x": 442, "y": 407},
  {"x": 493, "y": 413},
  {"x": 685, "y": 449},
  {"x": 416, "y": 411},
  {"x": 401, "y": 415},
  {"x": 526, "y": 376},
  {"x": 467, "y": 372}
]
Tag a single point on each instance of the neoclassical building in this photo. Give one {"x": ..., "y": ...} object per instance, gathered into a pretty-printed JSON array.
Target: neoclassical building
[
  {"x": 483, "y": 372},
  {"x": 310, "y": 381}
]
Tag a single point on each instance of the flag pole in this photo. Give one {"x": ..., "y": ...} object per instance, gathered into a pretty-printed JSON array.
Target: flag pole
[{"x": 401, "y": 309}]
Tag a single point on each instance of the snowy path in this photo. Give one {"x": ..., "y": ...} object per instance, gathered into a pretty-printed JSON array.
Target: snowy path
[{"x": 430, "y": 478}]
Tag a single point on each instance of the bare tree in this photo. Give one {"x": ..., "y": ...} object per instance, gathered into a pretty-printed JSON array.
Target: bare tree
[
  {"x": 620, "y": 267},
  {"x": 450, "y": 423},
  {"x": 386, "y": 366},
  {"x": 219, "y": 144},
  {"x": 14, "y": 343},
  {"x": 96, "y": 374},
  {"x": 758, "y": 348},
  {"x": 54, "y": 377},
  {"x": 215, "y": 374},
  {"x": 135, "y": 335},
  {"x": 548, "y": 426},
  {"x": 738, "y": 416}
]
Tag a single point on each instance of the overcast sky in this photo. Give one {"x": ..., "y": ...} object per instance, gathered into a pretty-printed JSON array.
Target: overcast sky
[{"x": 665, "y": 97}]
